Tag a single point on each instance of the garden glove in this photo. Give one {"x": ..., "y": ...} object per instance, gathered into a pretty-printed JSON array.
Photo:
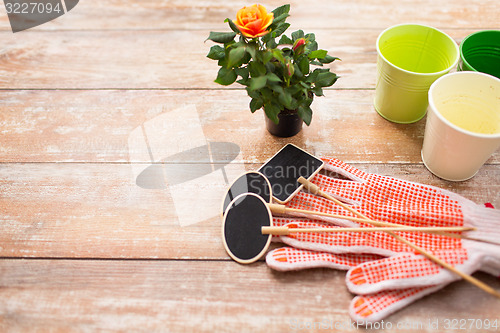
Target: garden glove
[
  {"x": 395, "y": 201},
  {"x": 383, "y": 290},
  {"x": 370, "y": 272}
]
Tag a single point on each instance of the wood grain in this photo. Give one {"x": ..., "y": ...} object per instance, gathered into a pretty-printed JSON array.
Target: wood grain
[
  {"x": 168, "y": 59},
  {"x": 76, "y": 210},
  {"x": 171, "y": 59},
  {"x": 180, "y": 296},
  {"x": 95, "y": 126},
  {"x": 91, "y": 232},
  {"x": 313, "y": 14}
]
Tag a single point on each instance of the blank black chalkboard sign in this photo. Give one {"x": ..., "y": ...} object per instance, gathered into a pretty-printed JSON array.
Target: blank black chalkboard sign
[
  {"x": 242, "y": 228},
  {"x": 249, "y": 182},
  {"x": 284, "y": 168}
]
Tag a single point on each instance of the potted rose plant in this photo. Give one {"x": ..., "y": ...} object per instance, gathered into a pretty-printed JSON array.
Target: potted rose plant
[{"x": 277, "y": 70}]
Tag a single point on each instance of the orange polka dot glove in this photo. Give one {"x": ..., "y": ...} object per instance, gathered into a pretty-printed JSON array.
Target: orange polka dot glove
[
  {"x": 388, "y": 288},
  {"x": 390, "y": 283},
  {"x": 398, "y": 201}
]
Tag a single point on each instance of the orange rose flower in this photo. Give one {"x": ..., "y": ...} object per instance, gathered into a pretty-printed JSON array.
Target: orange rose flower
[{"x": 253, "y": 21}]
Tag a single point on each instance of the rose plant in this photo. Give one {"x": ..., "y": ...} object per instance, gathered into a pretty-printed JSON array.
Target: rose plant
[{"x": 277, "y": 70}]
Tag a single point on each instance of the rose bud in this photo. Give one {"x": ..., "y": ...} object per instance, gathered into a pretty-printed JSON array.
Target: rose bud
[{"x": 299, "y": 45}]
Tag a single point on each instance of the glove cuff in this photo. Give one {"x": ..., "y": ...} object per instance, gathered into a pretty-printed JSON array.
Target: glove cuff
[{"x": 485, "y": 220}]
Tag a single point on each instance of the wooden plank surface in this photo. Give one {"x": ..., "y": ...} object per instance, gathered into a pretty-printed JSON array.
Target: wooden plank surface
[
  {"x": 317, "y": 15},
  {"x": 96, "y": 108},
  {"x": 169, "y": 59},
  {"x": 170, "y": 296},
  {"x": 95, "y": 126},
  {"x": 74, "y": 210}
]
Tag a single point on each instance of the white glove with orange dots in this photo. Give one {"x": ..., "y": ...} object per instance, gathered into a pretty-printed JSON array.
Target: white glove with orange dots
[{"x": 387, "y": 273}]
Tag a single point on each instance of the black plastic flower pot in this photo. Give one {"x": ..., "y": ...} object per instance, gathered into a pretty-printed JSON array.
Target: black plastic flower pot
[{"x": 289, "y": 124}]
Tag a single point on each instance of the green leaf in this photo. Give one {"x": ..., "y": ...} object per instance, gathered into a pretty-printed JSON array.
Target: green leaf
[
  {"x": 325, "y": 79},
  {"x": 318, "y": 91},
  {"x": 267, "y": 56},
  {"x": 235, "y": 55},
  {"x": 271, "y": 77},
  {"x": 271, "y": 44},
  {"x": 297, "y": 34},
  {"x": 308, "y": 101},
  {"x": 253, "y": 94},
  {"x": 245, "y": 60},
  {"x": 243, "y": 82},
  {"x": 311, "y": 37},
  {"x": 225, "y": 76},
  {"x": 216, "y": 53},
  {"x": 280, "y": 29},
  {"x": 243, "y": 72},
  {"x": 281, "y": 13},
  {"x": 319, "y": 54},
  {"x": 256, "y": 104},
  {"x": 221, "y": 37},
  {"x": 279, "y": 19},
  {"x": 305, "y": 85},
  {"x": 313, "y": 76},
  {"x": 297, "y": 72},
  {"x": 311, "y": 46},
  {"x": 277, "y": 89},
  {"x": 287, "y": 100},
  {"x": 305, "y": 113},
  {"x": 256, "y": 69},
  {"x": 267, "y": 94},
  {"x": 285, "y": 40},
  {"x": 257, "y": 83},
  {"x": 266, "y": 38},
  {"x": 304, "y": 65},
  {"x": 232, "y": 25},
  {"x": 278, "y": 55},
  {"x": 287, "y": 52},
  {"x": 316, "y": 62},
  {"x": 272, "y": 112},
  {"x": 328, "y": 59},
  {"x": 270, "y": 68},
  {"x": 292, "y": 90},
  {"x": 251, "y": 51}
]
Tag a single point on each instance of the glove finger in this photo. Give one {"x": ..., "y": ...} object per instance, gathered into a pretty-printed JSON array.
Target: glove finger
[
  {"x": 403, "y": 271},
  {"x": 287, "y": 221},
  {"x": 492, "y": 270},
  {"x": 289, "y": 259},
  {"x": 348, "y": 191},
  {"x": 347, "y": 188},
  {"x": 379, "y": 243},
  {"x": 375, "y": 307},
  {"x": 344, "y": 169},
  {"x": 484, "y": 220},
  {"x": 335, "y": 242}
]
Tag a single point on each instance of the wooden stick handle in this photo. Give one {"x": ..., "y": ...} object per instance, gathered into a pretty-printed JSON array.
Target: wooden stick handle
[
  {"x": 314, "y": 189},
  {"x": 426, "y": 254},
  {"x": 284, "y": 231},
  {"x": 283, "y": 210}
]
